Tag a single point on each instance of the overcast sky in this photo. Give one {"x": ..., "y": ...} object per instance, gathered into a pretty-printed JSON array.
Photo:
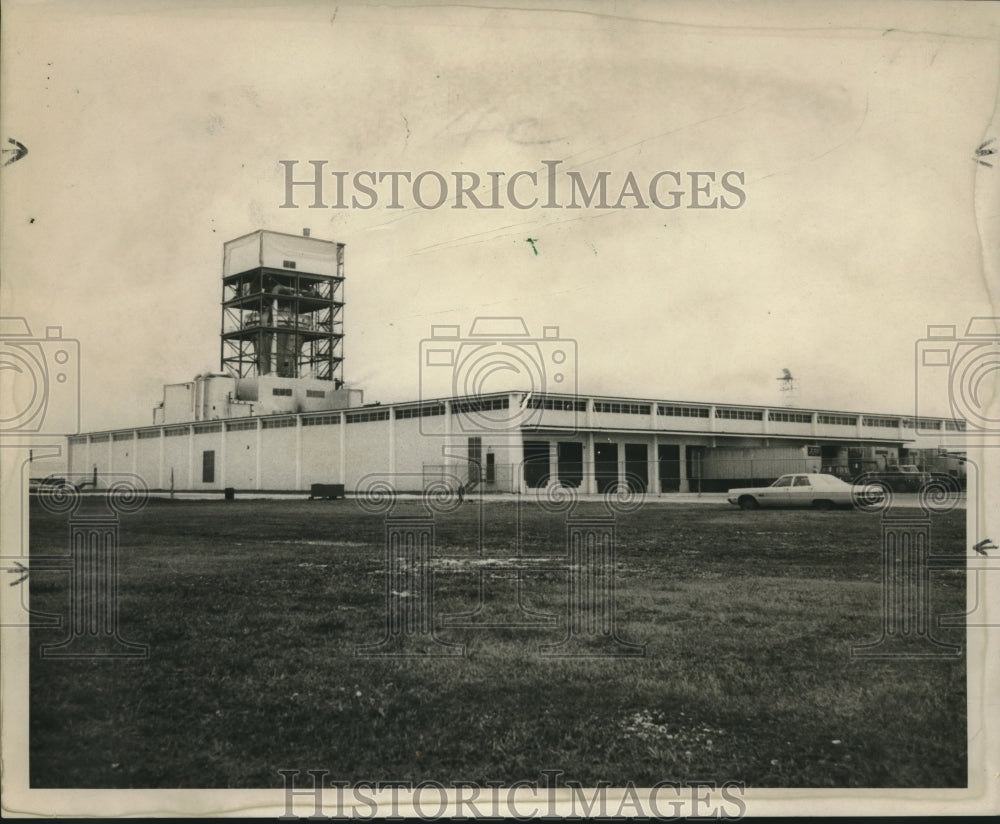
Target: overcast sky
[{"x": 154, "y": 137}]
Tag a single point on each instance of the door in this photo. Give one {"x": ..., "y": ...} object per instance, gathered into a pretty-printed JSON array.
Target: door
[
  {"x": 670, "y": 467},
  {"x": 475, "y": 460},
  {"x": 801, "y": 492},
  {"x": 570, "y": 463},
  {"x": 536, "y": 464},
  {"x": 605, "y": 466},
  {"x": 777, "y": 494},
  {"x": 636, "y": 470}
]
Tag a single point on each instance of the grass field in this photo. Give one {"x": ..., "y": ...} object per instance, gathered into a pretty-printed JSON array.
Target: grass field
[{"x": 252, "y": 611}]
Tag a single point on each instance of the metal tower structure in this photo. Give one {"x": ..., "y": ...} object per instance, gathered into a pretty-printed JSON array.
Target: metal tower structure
[{"x": 282, "y": 307}]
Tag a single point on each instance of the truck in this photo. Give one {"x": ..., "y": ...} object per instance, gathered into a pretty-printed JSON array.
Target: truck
[{"x": 897, "y": 478}]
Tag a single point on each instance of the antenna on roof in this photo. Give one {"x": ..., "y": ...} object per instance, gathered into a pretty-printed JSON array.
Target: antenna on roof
[{"x": 789, "y": 387}]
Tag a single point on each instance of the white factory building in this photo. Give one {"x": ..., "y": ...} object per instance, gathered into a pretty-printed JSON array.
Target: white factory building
[{"x": 277, "y": 417}]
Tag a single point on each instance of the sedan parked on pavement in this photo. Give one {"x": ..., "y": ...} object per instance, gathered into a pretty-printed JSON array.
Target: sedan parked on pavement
[{"x": 806, "y": 489}]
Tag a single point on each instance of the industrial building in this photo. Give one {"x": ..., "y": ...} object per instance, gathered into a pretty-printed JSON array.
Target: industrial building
[{"x": 278, "y": 416}]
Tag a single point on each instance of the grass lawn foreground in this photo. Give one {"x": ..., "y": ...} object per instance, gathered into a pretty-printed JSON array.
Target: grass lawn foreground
[{"x": 252, "y": 611}]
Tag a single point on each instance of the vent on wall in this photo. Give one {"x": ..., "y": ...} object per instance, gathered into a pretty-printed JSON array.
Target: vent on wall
[{"x": 288, "y": 264}]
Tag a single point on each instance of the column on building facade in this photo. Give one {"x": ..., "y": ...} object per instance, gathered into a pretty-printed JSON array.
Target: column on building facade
[
  {"x": 223, "y": 434},
  {"x": 160, "y": 482},
  {"x": 258, "y": 458},
  {"x": 621, "y": 462},
  {"x": 342, "y": 468},
  {"x": 446, "y": 448},
  {"x": 589, "y": 471},
  {"x": 653, "y": 467},
  {"x": 682, "y": 467},
  {"x": 392, "y": 440},
  {"x": 190, "y": 467},
  {"x": 515, "y": 457},
  {"x": 135, "y": 452},
  {"x": 554, "y": 461},
  {"x": 298, "y": 452}
]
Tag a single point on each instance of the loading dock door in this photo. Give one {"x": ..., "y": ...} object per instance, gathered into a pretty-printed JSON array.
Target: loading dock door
[
  {"x": 570, "y": 454},
  {"x": 670, "y": 467},
  {"x": 606, "y": 465},
  {"x": 536, "y": 464},
  {"x": 636, "y": 470}
]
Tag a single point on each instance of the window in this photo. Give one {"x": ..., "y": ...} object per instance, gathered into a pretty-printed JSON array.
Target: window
[
  {"x": 202, "y": 428},
  {"x": 682, "y": 411},
  {"x": 789, "y": 417},
  {"x": 837, "y": 420},
  {"x": 420, "y": 411},
  {"x": 730, "y": 413},
  {"x": 801, "y": 480},
  {"x": 485, "y": 405},
  {"x": 277, "y": 423},
  {"x": 321, "y": 420},
  {"x": 173, "y": 431},
  {"x": 315, "y": 393},
  {"x": 237, "y": 426},
  {"x": 288, "y": 264},
  {"x": 278, "y": 390},
  {"x": 558, "y": 404},
  {"x": 364, "y": 417},
  {"x": 784, "y": 480},
  {"x": 149, "y": 433},
  {"x": 208, "y": 466},
  {"x": 621, "y": 408},
  {"x": 886, "y": 423},
  {"x": 491, "y": 468}
]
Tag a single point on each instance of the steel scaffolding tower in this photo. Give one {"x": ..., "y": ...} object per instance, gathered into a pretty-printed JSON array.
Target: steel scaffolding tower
[{"x": 282, "y": 307}]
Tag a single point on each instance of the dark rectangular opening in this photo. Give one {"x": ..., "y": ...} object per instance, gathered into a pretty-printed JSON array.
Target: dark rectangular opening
[
  {"x": 570, "y": 462},
  {"x": 491, "y": 468},
  {"x": 475, "y": 459},
  {"x": 208, "y": 466},
  {"x": 670, "y": 467},
  {"x": 536, "y": 463},
  {"x": 636, "y": 470},
  {"x": 606, "y": 465}
]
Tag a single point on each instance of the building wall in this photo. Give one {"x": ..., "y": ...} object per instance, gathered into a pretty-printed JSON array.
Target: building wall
[
  {"x": 687, "y": 451},
  {"x": 366, "y": 449},
  {"x": 321, "y": 452},
  {"x": 241, "y": 457},
  {"x": 279, "y": 453}
]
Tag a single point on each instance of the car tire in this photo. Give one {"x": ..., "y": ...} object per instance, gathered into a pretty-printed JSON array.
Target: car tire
[{"x": 748, "y": 502}]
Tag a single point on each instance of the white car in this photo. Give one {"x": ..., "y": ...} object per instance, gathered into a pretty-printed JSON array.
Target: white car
[{"x": 806, "y": 489}]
